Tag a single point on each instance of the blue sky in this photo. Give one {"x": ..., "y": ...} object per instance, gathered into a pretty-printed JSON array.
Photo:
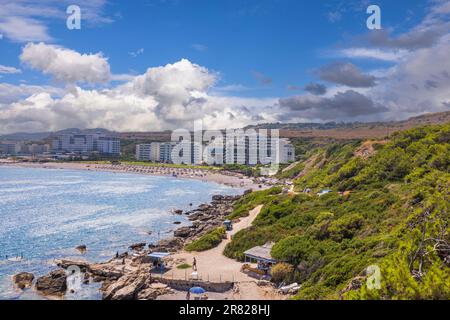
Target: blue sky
[
  {"x": 266, "y": 49},
  {"x": 284, "y": 40}
]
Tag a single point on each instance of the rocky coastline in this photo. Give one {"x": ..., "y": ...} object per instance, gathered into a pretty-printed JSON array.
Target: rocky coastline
[{"x": 127, "y": 276}]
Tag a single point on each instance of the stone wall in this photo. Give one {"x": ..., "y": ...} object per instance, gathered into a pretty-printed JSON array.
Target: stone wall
[{"x": 185, "y": 285}]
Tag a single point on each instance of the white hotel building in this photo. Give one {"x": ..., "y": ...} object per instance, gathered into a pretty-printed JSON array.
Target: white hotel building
[
  {"x": 86, "y": 144},
  {"x": 240, "y": 151}
]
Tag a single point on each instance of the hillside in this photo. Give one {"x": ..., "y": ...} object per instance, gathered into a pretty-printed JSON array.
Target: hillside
[
  {"x": 354, "y": 130},
  {"x": 389, "y": 207}
]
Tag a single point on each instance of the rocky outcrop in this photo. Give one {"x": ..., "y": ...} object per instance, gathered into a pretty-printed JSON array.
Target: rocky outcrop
[
  {"x": 168, "y": 245},
  {"x": 207, "y": 217},
  {"x": 23, "y": 280},
  {"x": 53, "y": 284},
  {"x": 182, "y": 232},
  {"x": 127, "y": 277},
  {"x": 82, "y": 248},
  {"x": 138, "y": 246}
]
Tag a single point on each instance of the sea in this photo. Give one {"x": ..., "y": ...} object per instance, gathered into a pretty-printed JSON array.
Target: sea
[{"x": 46, "y": 213}]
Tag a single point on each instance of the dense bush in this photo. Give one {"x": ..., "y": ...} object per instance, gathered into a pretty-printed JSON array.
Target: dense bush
[
  {"x": 281, "y": 272},
  {"x": 396, "y": 216},
  {"x": 208, "y": 241}
]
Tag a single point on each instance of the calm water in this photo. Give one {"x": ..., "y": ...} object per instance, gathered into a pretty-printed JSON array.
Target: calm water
[{"x": 45, "y": 214}]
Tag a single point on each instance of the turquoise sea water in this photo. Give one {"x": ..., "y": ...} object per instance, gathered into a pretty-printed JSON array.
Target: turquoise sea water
[{"x": 45, "y": 214}]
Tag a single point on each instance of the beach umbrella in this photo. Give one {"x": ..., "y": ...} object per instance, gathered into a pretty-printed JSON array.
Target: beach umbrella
[{"x": 197, "y": 290}]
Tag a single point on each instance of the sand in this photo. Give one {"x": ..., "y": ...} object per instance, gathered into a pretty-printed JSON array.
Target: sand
[
  {"x": 226, "y": 178},
  {"x": 213, "y": 266}
]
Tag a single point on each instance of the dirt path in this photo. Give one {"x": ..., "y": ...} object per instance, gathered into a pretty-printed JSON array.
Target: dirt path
[{"x": 212, "y": 265}]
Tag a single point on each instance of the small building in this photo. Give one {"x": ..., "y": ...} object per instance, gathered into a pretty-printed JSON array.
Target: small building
[
  {"x": 260, "y": 255},
  {"x": 158, "y": 260}
]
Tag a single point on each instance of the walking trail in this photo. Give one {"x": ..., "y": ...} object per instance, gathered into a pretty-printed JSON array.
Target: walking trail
[{"x": 213, "y": 266}]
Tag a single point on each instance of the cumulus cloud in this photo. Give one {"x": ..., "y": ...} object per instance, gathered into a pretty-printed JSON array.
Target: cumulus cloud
[
  {"x": 418, "y": 84},
  {"x": 347, "y": 74},
  {"x": 66, "y": 65},
  {"x": 165, "y": 97},
  {"x": 10, "y": 93},
  {"x": 316, "y": 88},
  {"x": 341, "y": 106},
  {"x": 179, "y": 88}
]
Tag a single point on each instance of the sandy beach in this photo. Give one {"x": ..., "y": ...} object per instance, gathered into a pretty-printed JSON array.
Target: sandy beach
[{"x": 223, "y": 177}]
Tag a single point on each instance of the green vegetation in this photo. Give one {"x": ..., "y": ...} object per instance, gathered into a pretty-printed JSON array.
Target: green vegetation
[
  {"x": 208, "y": 241},
  {"x": 250, "y": 201},
  {"x": 184, "y": 266},
  {"x": 395, "y": 215}
]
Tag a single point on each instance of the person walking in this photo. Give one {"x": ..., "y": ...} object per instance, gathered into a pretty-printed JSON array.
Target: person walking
[{"x": 194, "y": 264}]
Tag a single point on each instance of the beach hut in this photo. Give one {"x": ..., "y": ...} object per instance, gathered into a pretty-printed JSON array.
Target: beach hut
[
  {"x": 158, "y": 260},
  {"x": 262, "y": 256}
]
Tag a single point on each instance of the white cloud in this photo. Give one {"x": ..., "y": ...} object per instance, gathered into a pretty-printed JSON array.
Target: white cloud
[
  {"x": 166, "y": 97},
  {"x": 66, "y": 65},
  {"x": 377, "y": 54},
  {"x": 23, "y": 29},
  {"x": 136, "y": 53},
  {"x": 27, "y": 20},
  {"x": 10, "y": 93},
  {"x": 9, "y": 70},
  {"x": 199, "y": 47}
]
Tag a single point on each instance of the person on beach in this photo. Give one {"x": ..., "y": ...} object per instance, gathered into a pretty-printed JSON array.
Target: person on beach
[
  {"x": 188, "y": 295},
  {"x": 194, "y": 264}
]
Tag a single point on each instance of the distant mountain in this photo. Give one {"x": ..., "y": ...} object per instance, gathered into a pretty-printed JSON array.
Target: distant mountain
[
  {"x": 429, "y": 118},
  {"x": 343, "y": 130},
  {"x": 37, "y": 136},
  {"x": 354, "y": 130}
]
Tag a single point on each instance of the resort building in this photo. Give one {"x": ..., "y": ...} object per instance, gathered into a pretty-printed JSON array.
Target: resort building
[
  {"x": 143, "y": 152},
  {"x": 86, "y": 144},
  {"x": 10, "y": 148},
  {"x": 245, "y": 150},
  {"x": 155, "y": 152}
]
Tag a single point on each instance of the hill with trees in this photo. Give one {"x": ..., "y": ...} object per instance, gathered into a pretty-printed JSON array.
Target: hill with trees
[{"x": 388, "y": 209}]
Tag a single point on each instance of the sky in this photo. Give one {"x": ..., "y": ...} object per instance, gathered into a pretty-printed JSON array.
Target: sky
[{"x": 162, "y": 64}]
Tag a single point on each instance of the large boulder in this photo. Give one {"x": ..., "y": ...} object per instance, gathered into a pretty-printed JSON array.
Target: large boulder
[
  {"x": 53, "y": 284},
  {"x": 23, "y": 280},
  {"x": 129, "y": 288},
  {"x": 169, "y": 245},
  {"x": 138, "y": 246},
  {"x": 82, "y": 248},
  {"x": 182, "y": 232}
]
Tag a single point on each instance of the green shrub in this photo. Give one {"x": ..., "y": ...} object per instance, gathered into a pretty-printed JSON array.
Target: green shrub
[
  {"x": 281, "y": 272},
  {"x": 208, "y": 241}
]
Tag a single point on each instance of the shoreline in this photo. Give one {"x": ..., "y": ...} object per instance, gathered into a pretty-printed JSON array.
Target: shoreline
[
  {"x": 233, "y": 180},
  {"x": 135, "y": 261}
]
